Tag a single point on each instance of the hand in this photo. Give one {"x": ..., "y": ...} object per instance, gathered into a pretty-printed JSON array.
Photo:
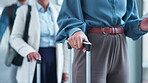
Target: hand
[
  {"x": 64, "y": 77},
  {"x": 33, "y": 56},
  {"x": 76, "y": 40},
  {"x": 144, "y": 24}
]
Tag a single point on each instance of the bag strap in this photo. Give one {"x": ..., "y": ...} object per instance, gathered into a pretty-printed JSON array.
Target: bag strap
[
  {"x": 10, "y": 9},
  {"x": 10, "y": 14},
  {"x": 25, "y": 37}
]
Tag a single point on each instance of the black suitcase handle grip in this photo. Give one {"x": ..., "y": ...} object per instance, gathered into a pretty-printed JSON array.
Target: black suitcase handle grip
[
  {"x": 87, "y": 45},
  {"x": 69, "y": 47},
  {"x": 38, "y": 61}
]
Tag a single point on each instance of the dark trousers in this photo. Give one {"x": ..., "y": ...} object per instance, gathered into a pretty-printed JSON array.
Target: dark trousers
[
  {"x": 108, "y": 57},
  {"x": 48, "y": 65}
]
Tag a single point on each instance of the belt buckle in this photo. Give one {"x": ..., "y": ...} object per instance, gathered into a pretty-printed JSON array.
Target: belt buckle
[{"x": 102, "y": 29}]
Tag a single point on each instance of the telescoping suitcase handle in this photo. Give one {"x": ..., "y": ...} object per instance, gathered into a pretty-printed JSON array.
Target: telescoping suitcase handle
[
  {"x": 38, "y": 71},
  {"x": 87, "y": 45},
  {"x": 70, "y": 64}
]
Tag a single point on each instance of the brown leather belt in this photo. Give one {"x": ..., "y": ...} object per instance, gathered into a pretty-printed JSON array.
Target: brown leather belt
[{"x": 107, "y": 30}]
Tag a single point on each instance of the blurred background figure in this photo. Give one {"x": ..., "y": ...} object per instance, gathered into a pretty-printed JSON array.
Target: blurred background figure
[
  {"x": 7, "y": 20},
  {"x": 8, "y": 16},
  {"x": 41, "y": 43}
]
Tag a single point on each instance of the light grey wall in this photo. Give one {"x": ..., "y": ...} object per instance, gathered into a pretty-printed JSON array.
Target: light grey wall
[
  {"x": 135, "y": 57},
  {"x": 135, "y": 54},
  {"x": 6, "y": 2}
]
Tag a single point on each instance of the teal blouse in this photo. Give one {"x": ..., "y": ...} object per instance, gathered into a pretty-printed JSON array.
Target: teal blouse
[{"x": 76, "y": 15}]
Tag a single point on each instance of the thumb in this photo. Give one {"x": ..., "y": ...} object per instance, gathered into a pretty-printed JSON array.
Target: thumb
[
  {"x": 84, "y": 49},
  {"x": 85, "y": 39}
]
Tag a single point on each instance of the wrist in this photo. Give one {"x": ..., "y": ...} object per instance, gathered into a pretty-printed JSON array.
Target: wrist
[
  {"x": 72, "y": 31},
  {"x": 140, "y": 29},
  {"x": 78, "y": 32},
  {"x": 143, "y": 26}
]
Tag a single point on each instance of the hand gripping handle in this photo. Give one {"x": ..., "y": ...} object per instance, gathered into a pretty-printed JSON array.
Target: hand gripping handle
[{"x": 86, "y": 44}]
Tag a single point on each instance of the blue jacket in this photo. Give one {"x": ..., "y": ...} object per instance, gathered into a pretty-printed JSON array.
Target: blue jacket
[
  {"x": 76, "y": 15},
  {"x": 7, "y": 19}
]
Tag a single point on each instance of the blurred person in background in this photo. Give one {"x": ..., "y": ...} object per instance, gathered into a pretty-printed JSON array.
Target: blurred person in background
[
  {"x": 41, "y": 44},
  {"x": 7, "y": 20},
  {"x": 8, "y": 16}
]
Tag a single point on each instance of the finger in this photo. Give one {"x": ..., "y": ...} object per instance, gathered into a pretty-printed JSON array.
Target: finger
[
  {"x": 39, "y": 56},
  {"x": 33, "y": 57},
  {"x": 79, "y": 43},
  {"x": 74, "y": 40},
  {"x": 84, "y": 50},
  {"x": 65, "y": 78},
  {"x": 70, "y": 42},
  {"x": 36, "y": 56},
  {"x": 85, "y": 39},
  {"x": 29, "y": 58}
]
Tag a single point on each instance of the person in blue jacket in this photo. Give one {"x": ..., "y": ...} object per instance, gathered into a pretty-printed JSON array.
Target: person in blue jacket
[
  {"x": 7, "y": 20},
  {"x": 8, "y": 16},
  {"x": 105, "y": 23}
]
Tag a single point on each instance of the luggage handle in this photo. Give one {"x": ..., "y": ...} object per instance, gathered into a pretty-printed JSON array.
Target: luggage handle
[
  {"x": 38, "y": 65},
  {"x": 38, "y": 61},
  {"x": 38, "y": 71},
  {"x": 86, "y": 44}
]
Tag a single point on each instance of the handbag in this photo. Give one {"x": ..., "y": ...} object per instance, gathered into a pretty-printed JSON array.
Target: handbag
[{"x": 12, "y": 56}]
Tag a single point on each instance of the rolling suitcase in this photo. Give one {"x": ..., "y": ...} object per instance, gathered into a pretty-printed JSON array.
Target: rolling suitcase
[{"x": 87, "y": 45}]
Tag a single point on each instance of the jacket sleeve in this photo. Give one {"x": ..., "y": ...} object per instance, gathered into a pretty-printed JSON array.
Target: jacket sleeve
[
  {"x": 70, "y": 19},
  {"x": 4, "y": 22},
  {"x": 16, "y": 38},
  {"x": 132, "y": 21}
]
